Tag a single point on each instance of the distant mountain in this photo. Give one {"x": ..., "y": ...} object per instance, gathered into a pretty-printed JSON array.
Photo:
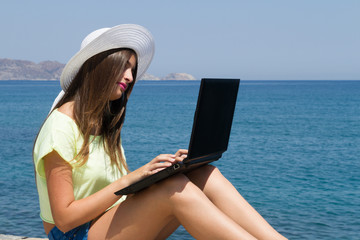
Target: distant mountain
[
  {"x": 51, "y": 70},
  {"x": 27, "y": 70},
  {"x": 178, "y": 76},
  {"x": 147, "y": 76}
]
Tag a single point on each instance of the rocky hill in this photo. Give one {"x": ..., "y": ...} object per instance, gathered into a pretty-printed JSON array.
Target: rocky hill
[
  {"x": 51, "y": 70},
  {"x": 27, "y": 70},
  {"x": 178, "y": 76}
]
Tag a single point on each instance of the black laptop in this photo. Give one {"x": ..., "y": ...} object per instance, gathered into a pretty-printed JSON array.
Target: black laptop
[{"x": 210, "y": 133}]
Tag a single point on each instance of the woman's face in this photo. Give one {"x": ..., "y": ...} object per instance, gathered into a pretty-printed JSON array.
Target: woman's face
[{"x": 125, "y": 79}]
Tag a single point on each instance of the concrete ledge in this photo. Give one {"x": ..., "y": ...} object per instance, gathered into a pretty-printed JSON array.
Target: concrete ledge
[{"x": 12, "y": 237}]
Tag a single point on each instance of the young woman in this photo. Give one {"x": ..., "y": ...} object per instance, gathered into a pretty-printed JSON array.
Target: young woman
[{"x": 80, "y": 163}]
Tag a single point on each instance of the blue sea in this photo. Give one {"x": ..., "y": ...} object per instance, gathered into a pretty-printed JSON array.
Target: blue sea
[{"x": 293, "y": 153}]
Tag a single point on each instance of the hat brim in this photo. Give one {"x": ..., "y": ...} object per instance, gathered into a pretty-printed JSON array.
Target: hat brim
[{"x": 130, "y": 36}]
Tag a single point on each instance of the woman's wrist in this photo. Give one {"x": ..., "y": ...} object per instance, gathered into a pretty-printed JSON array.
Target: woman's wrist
[
  {"x": 128, "y": 179},
  {"x": 132, "y": 177}
]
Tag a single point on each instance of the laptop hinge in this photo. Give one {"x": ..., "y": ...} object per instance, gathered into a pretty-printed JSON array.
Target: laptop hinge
[{"x": 207, "y": 158}]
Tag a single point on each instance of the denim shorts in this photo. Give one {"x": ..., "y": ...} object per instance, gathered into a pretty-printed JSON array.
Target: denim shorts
[{"x": 78, "y": 233}]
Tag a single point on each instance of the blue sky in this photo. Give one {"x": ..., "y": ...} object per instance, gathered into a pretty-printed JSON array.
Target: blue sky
[{"x": 252, "y": 40}]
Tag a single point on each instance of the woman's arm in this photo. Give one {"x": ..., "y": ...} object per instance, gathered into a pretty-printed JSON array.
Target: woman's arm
[{"x": 69, "y": 213}]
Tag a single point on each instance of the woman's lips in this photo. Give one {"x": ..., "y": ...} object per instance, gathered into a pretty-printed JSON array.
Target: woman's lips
[{"x": 122, "y": 85}]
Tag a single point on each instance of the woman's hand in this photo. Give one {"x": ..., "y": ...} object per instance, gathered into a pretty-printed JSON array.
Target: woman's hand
[
  {"x": 157, "y": 164},
  {"x": 181, "y": 154}
]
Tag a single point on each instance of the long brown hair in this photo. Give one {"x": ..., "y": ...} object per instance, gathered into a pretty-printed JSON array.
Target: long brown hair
[{"x": 93, "y": 112}]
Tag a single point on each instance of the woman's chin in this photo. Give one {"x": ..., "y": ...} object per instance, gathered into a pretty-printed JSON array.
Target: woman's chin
[{"x": 116, "y": 96}]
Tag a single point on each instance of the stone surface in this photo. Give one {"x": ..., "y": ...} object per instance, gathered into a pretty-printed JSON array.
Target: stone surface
[{"x": 13, "y": 237}]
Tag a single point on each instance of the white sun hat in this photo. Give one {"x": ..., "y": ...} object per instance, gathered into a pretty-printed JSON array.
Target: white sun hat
[{"x": 130, "y": 36}]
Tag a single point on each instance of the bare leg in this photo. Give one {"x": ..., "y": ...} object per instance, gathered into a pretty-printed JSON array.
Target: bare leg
[
  {"x": 146, "y": 214},
  {"x": 224, "y": 195},
  {"x": 168, "y": 229}
]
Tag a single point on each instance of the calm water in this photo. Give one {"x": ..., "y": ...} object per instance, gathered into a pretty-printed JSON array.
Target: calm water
[{"x": 293, "y": 152}]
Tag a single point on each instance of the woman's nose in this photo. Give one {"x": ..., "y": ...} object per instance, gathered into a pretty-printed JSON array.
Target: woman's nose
[{"x": 128, "y": 75}]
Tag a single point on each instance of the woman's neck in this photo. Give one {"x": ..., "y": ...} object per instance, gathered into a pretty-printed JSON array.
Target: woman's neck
[{"x": 68, "y": 109}]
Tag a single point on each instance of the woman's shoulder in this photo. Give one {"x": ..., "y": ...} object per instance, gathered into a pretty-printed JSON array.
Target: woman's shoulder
[
  {"x": 61, "y": 119},
  {"x": 67, "y": 109}
]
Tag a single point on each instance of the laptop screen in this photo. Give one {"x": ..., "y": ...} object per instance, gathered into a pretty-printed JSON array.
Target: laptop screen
[{"x": 213, "y": 117}]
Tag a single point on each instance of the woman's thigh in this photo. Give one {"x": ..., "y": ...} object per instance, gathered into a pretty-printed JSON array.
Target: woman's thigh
[
  {"x": 145, "y": 215},
  {"x": 206, "y": 176}
]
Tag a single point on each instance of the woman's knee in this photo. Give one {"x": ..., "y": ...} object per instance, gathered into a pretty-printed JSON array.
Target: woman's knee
[
  {"x": 178, "y": 190},
  {"x": 201, "y": 176},
  {"x": 171, "y": 185},
  {"x": 209, "y": 169},
  {"x": 204, "y": 171}
]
